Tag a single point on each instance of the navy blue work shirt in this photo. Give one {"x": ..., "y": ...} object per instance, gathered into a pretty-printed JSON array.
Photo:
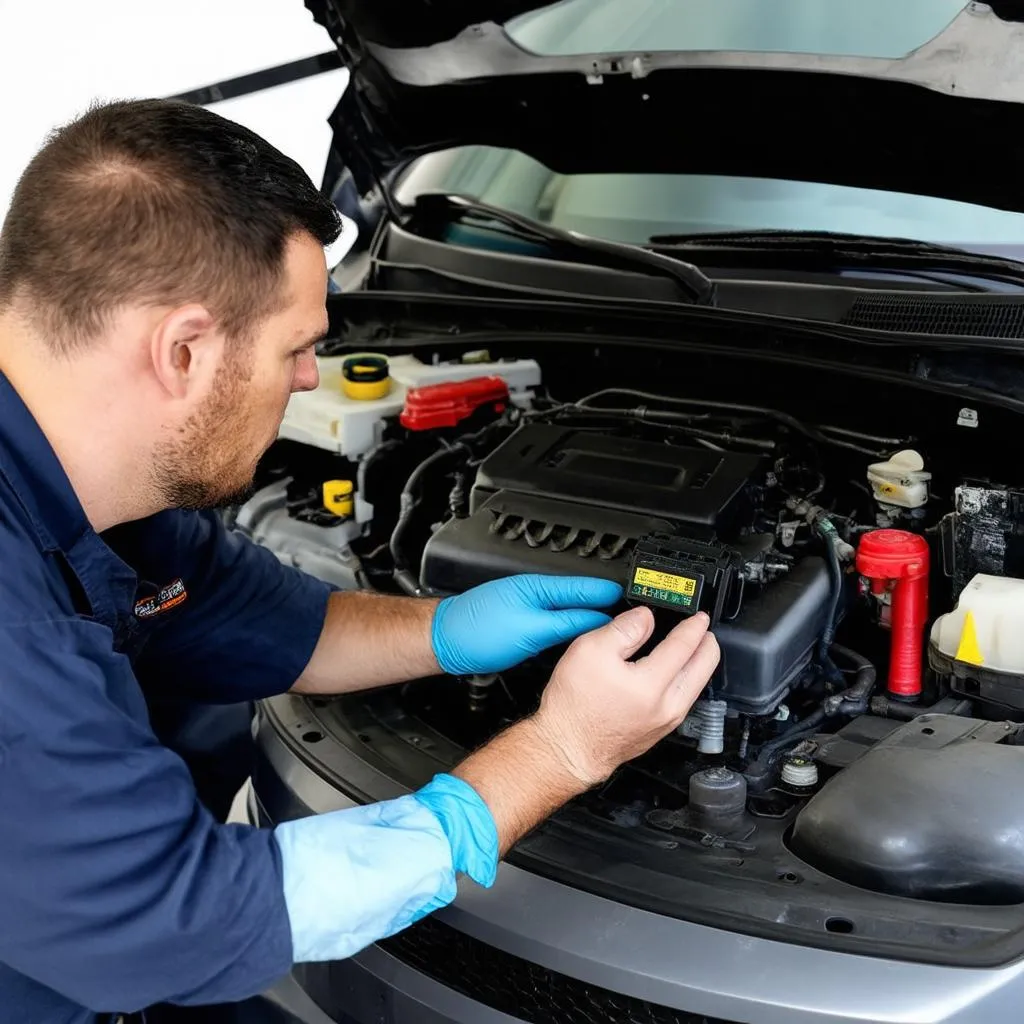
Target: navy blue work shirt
[{"x": 118, "y": 889}]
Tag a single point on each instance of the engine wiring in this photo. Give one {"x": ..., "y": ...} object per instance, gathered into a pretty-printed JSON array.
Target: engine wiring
[
  {"x": 796, "y": 476},
  {"x": 716, "y": 425},
  {"x": 823, "y": 434}
]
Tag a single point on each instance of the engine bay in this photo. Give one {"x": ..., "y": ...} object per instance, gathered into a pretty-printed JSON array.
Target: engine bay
[{"x": 865, "y": 726}]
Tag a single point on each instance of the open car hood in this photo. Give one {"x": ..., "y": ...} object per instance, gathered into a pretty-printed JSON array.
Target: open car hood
[{"x": 945, "y": 119}]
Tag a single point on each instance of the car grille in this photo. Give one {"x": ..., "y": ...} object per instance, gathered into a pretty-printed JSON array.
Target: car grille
[{"x": 519, "y": 988}]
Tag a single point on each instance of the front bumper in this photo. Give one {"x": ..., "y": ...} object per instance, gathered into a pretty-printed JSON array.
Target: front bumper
[
  {"x": 534, "y": 950},
  {"x": 286, "y": 1003},
  {"x": 373, "y": 989}
]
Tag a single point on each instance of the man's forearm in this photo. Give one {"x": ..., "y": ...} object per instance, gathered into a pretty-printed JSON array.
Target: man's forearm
[
  {"x": 355, "y": 876},
  {"x": 522, "y": 777},
  {"x": 371, "y": 640}
]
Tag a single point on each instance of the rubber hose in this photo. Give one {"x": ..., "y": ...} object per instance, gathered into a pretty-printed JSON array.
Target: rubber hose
[
  {"x": 403, "y": 574},
  {"x": 827, "y": 534},
  {"x": 854, "y": 699},
  {"x": 799, "y": 731},
  {"x": 886, "y": 707}
]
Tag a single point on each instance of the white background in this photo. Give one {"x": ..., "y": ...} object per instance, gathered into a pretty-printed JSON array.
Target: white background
[{"x": 56, "y": 56}]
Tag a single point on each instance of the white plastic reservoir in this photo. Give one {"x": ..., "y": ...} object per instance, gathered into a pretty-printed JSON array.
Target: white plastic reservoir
[
  {"x": 987, "y": 626},
  {"x": 327, "y": 418}
]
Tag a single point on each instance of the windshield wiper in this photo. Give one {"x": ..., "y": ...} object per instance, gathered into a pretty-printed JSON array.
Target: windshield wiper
[
  {"x": 447, "y": 206},
  {"x": 835, "y": 250}
]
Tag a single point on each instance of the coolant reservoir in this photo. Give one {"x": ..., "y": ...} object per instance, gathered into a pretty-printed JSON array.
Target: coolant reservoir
[{"x": 980, "y": 644}]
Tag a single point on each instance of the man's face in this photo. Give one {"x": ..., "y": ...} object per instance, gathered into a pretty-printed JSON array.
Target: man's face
[{"x": 213, "y": 463}]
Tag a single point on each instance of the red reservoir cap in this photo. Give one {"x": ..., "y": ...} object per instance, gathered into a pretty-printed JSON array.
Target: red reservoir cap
[
  {"x": 447, "y": 405},
  {"x": 902, "y": 558},
  {"x": 892, "y": 555}
]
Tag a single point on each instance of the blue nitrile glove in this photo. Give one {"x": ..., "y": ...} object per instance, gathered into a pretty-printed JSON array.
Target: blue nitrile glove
[
  {"x": 356, "y": 876},
  {"x": 499, "y": 624},
  {"x": 469, "y": 826}
]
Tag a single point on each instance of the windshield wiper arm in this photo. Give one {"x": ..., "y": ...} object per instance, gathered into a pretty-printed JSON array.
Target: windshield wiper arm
[
  {"x": 698, "y": 287},
  {"x": 823, "y": 248},
  {"x": 822, "y": 239}
]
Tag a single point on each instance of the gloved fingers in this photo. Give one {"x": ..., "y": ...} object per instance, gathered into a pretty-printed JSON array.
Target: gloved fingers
[
  {"x": 558, "y": 592},
  {"x": 567, "y": 625}
]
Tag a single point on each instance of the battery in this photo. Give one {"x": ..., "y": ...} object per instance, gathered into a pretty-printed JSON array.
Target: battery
[{"x": 685, "y": 576}]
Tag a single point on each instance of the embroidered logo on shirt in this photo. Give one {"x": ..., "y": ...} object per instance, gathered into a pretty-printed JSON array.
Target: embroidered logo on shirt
[{"x": 162, "y": 601}]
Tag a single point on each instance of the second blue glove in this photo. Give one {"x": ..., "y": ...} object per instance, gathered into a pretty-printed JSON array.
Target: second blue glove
[{"x": 501, "y": 623}]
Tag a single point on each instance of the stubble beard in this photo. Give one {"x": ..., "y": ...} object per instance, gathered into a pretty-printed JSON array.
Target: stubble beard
[{"x": 201, "y": 470}]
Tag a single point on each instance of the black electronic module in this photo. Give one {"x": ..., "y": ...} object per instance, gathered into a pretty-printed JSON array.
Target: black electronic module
[{"x": 685, "y": 576}]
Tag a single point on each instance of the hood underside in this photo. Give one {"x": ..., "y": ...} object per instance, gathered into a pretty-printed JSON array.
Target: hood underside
[{"x": 945, "y": 119}]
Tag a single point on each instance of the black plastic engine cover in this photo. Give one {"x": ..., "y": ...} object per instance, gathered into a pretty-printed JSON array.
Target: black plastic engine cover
[
  {"x": 705, "y": 490},
  {"x": 513, "y": 533},
  {"x": 933, "y": 812},
  {"x": 565, "y": 502},
  {"x": 768, "y": 646}
]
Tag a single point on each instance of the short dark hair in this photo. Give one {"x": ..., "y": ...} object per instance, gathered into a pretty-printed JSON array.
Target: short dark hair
[{"x": 158, "y": 201}]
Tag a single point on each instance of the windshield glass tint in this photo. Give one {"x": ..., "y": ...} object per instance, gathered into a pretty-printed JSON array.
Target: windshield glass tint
[
  {"x": 861, "y": 28},
  {"x": 632, "y": 207}
]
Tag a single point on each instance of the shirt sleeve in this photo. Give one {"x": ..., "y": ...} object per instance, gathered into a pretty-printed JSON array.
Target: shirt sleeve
[
  {"x": 360, "y": 875},
  {"x": 117, "y": 888},
  {"x": 248, "y": 624}
]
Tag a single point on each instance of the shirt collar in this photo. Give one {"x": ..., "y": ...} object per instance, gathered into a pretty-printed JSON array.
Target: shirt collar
[
  {"x": 35, "y": 474},
  {"x": 42, "y": 487}
]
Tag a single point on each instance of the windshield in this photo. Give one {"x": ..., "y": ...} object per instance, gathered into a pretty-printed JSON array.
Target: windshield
[
  {"x": 867, "y": 28},
  {"x": 633, "y": 207}
]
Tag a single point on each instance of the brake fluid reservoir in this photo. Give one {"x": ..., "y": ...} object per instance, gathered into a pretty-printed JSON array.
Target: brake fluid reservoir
[
  {"x": 358, "y": 396},
  {"x": 901, "y": 481},
  {"x": 979, "y": 645}
]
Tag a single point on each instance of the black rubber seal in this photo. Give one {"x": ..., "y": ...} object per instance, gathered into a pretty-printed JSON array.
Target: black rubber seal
[{"x": 365, "y": 369}]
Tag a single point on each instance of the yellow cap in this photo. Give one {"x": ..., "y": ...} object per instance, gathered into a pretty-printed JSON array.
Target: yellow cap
[
  {"x": 969, "y": 651},
  {"x": 366, "y": 391},
  {"x": 365, "y": 378},
  {"x": 338, "y": 497}
]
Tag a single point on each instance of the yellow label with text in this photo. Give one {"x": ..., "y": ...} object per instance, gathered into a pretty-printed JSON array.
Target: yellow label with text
[{"x": 666, "y": 581}]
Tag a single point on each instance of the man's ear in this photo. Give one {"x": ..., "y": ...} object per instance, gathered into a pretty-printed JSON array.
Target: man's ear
[{"x": 185, "y": 350}]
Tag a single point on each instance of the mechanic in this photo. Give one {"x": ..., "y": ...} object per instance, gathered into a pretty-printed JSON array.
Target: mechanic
[{"x": 162, "y": 288}]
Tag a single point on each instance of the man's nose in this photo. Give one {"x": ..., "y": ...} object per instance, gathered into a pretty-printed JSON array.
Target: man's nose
[{"x": 307, "y": 372}]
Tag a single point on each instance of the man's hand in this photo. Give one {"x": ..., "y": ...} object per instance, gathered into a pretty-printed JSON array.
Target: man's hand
[
  {"x": 349, "y": 876},
  {"x": 601, "y": 710},
  {"x": 598, "y": 711},
  {"x": 501, "y": 623}
]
